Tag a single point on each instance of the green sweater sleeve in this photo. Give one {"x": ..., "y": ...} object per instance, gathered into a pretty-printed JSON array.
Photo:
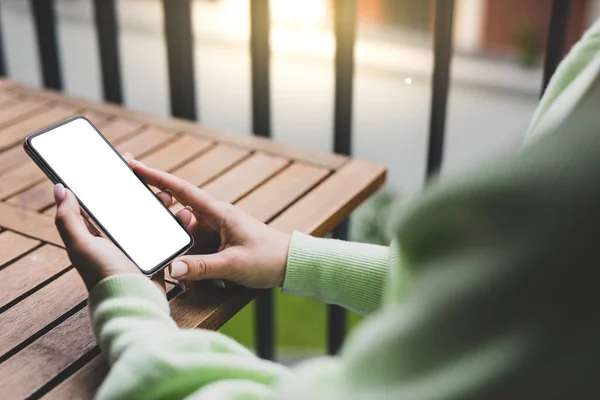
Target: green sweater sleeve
[
  {"x": 502, "y": 304},
  {"x": 151, "y": 358},
  {"x": 352, "y": 275}
]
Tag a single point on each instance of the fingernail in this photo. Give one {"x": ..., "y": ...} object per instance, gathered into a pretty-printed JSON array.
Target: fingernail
[
  {"x": 136, "y": 162},
  {"x": 183, "y": 286},
  {"x": 219, "y": 283},
  {"x": 59, "y": 193},
  {"x": 178, "y": 269},
  {"x": 168, "y": 191},
  {"x": 189, "y": 208},
  {"x": 128, "y": 156}
]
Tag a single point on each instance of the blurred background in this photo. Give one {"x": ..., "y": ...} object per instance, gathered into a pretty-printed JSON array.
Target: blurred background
[{"x": 496, "y": 76}]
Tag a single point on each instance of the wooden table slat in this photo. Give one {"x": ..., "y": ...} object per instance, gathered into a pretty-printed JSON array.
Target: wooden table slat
[
  {"x": 29, "y": 223},
  {"x": 211, "y": 164},
  {"x": 41, "y": 308},
  {"x": 14, "y": 134},
  {"x": 328, "y": 204},
  {"x": 19, "y": 179},
  {"x": 31, "y": 271},
  {"x": 8, "y": 98},
  {"x": 83, "y": 384},
  {"x": 13, "y": 245},
  {"x": 12, "y": 157},
  {"x": 98, "y": 119},
  {"x": 20, "y": 109},
  {"x": 282, "y": 190},
  {"x": 119, "y": 129},
  {"x": 208, "y": 166},
  {"x": 37, "y": 197},
  {"x": 144, "y": 142},
  {"x": 30, "y": 369},
  {"x": 244, "y": 177},
  {"x": 177, "y": 153}
]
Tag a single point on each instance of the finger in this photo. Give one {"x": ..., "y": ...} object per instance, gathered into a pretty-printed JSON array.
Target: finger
[
  {"x": 68, "y": 220},
  {"x": 128, "y": 157},
  {"x": 184, "y": 191},
  {"x": 186, "y": 217},
  {"x": 91, "y": 228},
  {"x": 199, "y": 267},
  {"x": 166, "y": 197},
  {"x": 89, "y": 224}
]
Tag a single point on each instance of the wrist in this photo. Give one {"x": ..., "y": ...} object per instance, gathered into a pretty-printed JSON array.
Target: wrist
[{"x": 285, "y": 241}]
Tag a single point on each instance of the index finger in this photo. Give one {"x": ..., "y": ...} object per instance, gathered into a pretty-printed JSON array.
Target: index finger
[{"x": 182, "y": 190}]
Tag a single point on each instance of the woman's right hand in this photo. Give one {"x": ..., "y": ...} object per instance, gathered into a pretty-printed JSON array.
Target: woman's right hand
[{"x": 230, "y": 244}]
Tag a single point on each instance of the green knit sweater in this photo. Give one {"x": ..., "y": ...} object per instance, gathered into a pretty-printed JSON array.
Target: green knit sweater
[{"x": 489, "y": 290}]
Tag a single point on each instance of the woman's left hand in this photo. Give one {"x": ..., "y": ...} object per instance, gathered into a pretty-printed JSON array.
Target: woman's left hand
[{"x": 94, "y": 256}]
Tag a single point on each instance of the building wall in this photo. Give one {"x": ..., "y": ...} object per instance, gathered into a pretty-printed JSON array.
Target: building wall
[{"x": 502, "y": 18}]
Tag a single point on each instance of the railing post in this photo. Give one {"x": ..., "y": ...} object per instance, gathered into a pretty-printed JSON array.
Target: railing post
[
  {"x": 107, "y": 29},
  {"x": 45, "y": 28},
  {"x": 180, "y": 56},
  {"x": 344, "y": 23},
  {"x": 2, "y": 61},
  {"x": 442, "y": 54},
  {"x": 555, "y": 41},
  {"x": 260, "y": 26}
]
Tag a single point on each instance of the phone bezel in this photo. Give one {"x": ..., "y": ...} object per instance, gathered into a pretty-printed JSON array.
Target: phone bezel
[{"x": 55, "y": 178}]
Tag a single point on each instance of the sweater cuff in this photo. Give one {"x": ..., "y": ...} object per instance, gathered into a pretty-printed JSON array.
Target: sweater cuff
[
  {"x": 128, "y": 286},
  {"x": 345, "y": 273}
]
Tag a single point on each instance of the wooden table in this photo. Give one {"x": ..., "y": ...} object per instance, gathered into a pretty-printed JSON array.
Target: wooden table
[{"x": 47, "y": 347}]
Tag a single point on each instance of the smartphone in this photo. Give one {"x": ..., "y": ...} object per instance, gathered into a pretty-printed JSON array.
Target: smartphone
[{"x": 123, "y": 207}]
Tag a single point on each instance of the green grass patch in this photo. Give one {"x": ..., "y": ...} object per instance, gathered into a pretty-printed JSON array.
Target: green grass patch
[{"x": 300, "y": 324}]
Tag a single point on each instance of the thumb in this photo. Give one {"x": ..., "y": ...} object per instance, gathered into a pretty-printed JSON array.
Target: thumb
[
  {"x": 68, "y": 218},
  {"x": 201, "y": 266}
]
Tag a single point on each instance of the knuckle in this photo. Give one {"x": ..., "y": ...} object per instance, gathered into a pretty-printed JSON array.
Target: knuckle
[
  {"x": 60, "y": 218},
  {"x": 200, "y": 267},
  {"x": 233, "y": 258},
  {"x": 229, "y": 211}
]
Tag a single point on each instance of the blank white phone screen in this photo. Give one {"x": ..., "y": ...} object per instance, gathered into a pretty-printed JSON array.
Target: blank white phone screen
[{"x": 112, "y": 193}]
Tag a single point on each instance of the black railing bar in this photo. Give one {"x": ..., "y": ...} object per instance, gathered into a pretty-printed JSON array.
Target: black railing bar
[
  {"x": 345, "y": 37},
  {"x": 260, "y": 26},
  {"x": 107, "y": 29},
  {"x": 180, "y": 57},
  {"x": 344, "y": 26},
  {"x": 3, "y": 68},
  {"x": 442, "y": 54},
  {"x": 47, "y": 41},
  {"x": 260, "y": 67},
  {"x": 555, "y": 41}
]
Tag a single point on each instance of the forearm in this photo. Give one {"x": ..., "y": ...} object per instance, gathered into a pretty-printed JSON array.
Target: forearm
[
  {"x": 152, "y": 358},
  {"x": 352, "y": 275}
]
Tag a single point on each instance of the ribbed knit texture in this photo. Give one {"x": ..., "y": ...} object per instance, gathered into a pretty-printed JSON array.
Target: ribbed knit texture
[
  {"x": 337, "y": 272},
  {"x": 125, "y": 285}
]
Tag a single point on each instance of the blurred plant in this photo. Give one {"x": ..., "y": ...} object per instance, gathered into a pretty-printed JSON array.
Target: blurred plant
[
  {"x": 374, "y": 221},
  {"x": 528, "y": 43}
]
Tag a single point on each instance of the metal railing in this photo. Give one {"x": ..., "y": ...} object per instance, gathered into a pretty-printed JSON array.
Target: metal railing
[{"x": 179, "y": 42}]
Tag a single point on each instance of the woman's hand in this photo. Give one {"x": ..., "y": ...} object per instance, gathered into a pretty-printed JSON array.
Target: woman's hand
[{"x": 230, "y": 244}]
